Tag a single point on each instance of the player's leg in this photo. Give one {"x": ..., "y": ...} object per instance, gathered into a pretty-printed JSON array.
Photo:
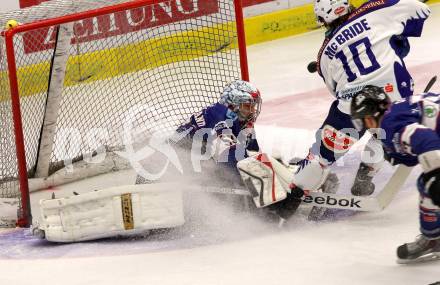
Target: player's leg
[
  {"x": 427, "y": 245},
  {"x": 333, "y": 140},
  {"x": 371, "y": 162},
  {"x": 363, "y": 184}
]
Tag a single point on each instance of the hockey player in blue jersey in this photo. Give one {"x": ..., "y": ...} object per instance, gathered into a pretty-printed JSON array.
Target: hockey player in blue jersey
[
  {"x": 410, "y": 135},
  {"x": 231, "y": 121},
  {"x": 214, "y": 139},
  {"x": 362, "y": 46}
]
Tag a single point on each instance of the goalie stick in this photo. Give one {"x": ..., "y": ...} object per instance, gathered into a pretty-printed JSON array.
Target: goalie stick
[
  {"x": 330, "y": 200},
  {"x": 359, "y": 203},
  {"x": 338, "y": 201}
]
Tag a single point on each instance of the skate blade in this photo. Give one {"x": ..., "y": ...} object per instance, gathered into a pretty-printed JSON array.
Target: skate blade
[{"x": 433, "y": 256}]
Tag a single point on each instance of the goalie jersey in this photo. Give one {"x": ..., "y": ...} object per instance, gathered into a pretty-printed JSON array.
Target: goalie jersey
[
  {"x": 411, "y": 127},
  {"x": 226, "y": 130},
  {"x": 368, "y": 49}
]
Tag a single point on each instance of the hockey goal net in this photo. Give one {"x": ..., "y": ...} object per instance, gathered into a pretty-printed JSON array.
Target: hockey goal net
[{"x": 73, "y": 71}]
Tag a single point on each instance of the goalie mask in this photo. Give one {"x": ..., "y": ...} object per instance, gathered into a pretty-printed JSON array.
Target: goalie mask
[
  {"x": 372, "y": 102},
  {"x": 327, "y": 11},
  {"x": 244, "y": 100}
]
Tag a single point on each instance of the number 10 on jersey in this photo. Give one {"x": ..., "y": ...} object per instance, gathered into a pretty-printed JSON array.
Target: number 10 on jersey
[{"x": 355, "y": 47}]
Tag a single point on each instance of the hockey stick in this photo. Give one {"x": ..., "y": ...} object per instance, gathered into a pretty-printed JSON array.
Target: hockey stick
[
  {"x": 320, "y": 199},
  {"x": 430, "y": 83},
  {"x": 393, "y": 185},
  {"x": 377, "y": 203},
  {"x": 389, "y": 191},
  {"x": 337, "y": 201},
  {"x": 358, "y": 203},
  {"x": 314, "y": 198}
]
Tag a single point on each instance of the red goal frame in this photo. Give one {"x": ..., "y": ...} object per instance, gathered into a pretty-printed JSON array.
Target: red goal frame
[{"x": 25, "y": 217}]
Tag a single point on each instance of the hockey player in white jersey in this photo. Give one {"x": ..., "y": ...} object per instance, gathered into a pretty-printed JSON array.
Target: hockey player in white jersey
[
  {"x": 362, "y": 46},
  {"x": 410, "y": 136}
]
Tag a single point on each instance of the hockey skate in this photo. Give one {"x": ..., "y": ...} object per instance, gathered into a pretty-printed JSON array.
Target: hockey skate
[
  {"x": 421, "y": 250},
  {"x": 330, "y": 185},
  {"x": 363, "y": 185}
]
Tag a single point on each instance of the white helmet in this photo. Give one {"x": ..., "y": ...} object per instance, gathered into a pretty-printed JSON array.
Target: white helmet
[
  {"x": 243, "y": 99},
  {"x": 327, "y": 11}
]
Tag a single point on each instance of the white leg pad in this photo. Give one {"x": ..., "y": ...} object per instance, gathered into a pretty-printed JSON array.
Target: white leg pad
[{"x": 117, "y": 211}]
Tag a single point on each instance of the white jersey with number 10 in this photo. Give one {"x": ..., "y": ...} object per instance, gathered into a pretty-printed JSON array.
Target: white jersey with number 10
[{"x": 369, "y": 49}]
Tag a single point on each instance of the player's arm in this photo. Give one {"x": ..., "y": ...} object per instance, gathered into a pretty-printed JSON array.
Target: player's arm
[
  {"x": 195, "y": 122},
  {"x": 223, "y": 139},
  {"x": 409, "y": 15}
]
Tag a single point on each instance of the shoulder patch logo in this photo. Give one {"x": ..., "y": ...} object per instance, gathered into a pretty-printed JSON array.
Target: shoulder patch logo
[
  {"x": 388, "y": 88},
  {"x": 430, "y": 111}
]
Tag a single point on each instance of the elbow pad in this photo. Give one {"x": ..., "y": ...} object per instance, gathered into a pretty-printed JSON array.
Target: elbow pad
[{"x": 429, "y": 160}]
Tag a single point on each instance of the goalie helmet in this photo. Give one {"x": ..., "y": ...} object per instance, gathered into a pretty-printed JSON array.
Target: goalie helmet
[
  {"x": 370, "y": 101},
  {"x": 327, "y": 11},
  {"x": 243, "y": 99}
]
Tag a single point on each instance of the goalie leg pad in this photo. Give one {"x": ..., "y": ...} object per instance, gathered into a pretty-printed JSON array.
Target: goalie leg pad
[{"x": 117, "y": 211}]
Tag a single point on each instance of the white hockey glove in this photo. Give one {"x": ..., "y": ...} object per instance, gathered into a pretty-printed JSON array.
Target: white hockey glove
[{"x": 221, "y": 146}]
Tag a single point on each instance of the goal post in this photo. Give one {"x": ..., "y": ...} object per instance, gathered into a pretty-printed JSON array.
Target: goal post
[{"x": 71, "y": 77}]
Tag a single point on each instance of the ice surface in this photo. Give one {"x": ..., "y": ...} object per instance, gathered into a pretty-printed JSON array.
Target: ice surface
[{"x": 220, "y": 246}]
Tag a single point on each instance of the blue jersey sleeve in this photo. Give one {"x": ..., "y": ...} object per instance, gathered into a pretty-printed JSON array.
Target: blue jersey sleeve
[
  {"x": 220, "y": 120},
  {"x": 400, "y": 115},
  {"x": 406, "y": 132},
  {"x": 412, "y": 14},
  {"x": 213, "y": 117},
  {"x": 422, "y": 139},
  {"x": 214, "y": 114}
]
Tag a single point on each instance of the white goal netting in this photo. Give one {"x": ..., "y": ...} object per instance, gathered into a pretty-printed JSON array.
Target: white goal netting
[{"x": 151, "y": 66}]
